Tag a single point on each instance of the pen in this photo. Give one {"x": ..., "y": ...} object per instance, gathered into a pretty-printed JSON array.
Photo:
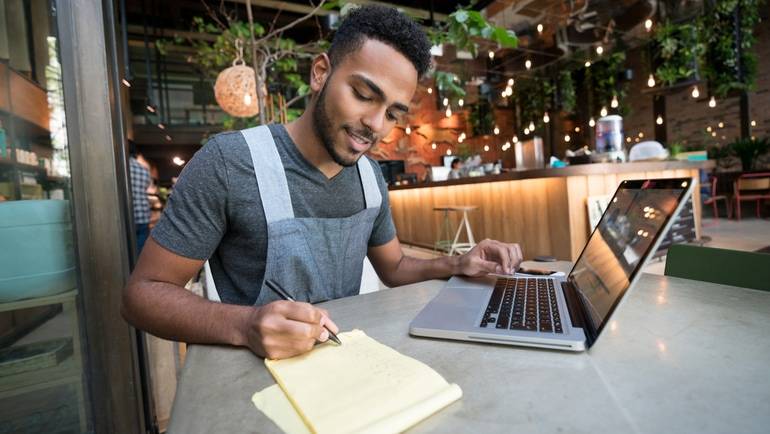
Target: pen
[{"x": 285, "y": 295}]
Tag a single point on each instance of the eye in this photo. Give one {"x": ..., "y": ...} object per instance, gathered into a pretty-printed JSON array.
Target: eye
[
  {"x": 391, "y": 117},
  {"x": 360, "y": 96}
]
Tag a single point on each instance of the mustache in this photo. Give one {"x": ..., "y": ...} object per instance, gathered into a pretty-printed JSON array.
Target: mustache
[{"x": 366, "y": 134}]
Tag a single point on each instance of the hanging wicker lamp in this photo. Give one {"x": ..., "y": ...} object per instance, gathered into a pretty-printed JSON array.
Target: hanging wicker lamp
[{"x": 235, "y": 89}]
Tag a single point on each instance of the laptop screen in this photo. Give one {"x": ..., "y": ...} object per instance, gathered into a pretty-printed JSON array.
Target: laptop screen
[{"x": 626, "y": 233}]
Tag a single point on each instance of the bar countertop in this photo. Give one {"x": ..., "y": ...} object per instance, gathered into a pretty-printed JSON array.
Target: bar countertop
[{"x": 575, "y": 170}]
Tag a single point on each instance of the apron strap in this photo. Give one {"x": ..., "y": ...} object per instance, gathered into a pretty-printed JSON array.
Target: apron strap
[
  {"x": 372, "y": 194},
  {"x": 271, "y": 178}
]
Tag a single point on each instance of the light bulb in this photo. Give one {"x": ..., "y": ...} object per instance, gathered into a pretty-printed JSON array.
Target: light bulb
[
  {"x": 531, "y": 126},
  {"x": 526, "y": 131},
  {"x": 712, "y": 102},
  {"x": 509, "y": 91},
  {"x": 460, "y": 102},
  {"x": 430, "y": 90},
  {"x": 491, "y": 55},
  {"x": 614, "y": 102},
  {"x": 408, "y": 130},
  {"x": 641, "y": 135},
  {"x": 510, "y": 82},
  {"x": 648, "y": 24},
  {"x": 713, "y": 134},
  {"x": 567, "y": 138},
  {"x": 721, "y": 125},
  {"x": 448, "y": 112},
  {"x": 433, "y": 145},
  {"x": 539, "y": 28},
  {"x": 599, "y": 50},
  {"x": 588, "y": 63},
  {"x": 126, "y": 83},
  {"x": 695, "y": 92},
  {"x": 497, "y": 130},
  {"x": 446, "y": 102},
  {"x": 603, "y": 112},
  {"x": 168, "y": 138},
  {"x": 659, "y": 120},
  {"x": 449, "y": 152},
  {"x": 247, "y": 99},
  {"x": 161, "y": 126},
  {"x": 503, "y": 94},
  {"x": 546, "y": 118},
  {"x": 591, "y": 122},
  {"x": 150, "y": 108},
  {"x": 515, "y": 139},
  {"x": 628, "y": 139},
  {"x": 651, "y": 81},
  {"x": 462, "y": 135},
  {"x": 528, "y": 64},
  {"x": 709, "y": 129},
  {"x": 577, "y": 129},
  {"x": 753, "y": 123},
  {"x": 486, "y": 148}
]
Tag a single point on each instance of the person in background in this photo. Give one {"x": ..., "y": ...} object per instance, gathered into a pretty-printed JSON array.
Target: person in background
[
  {"x": 457, "y": 167},
  {"x": 140, "y": 182},
  {"x": 428, "y": 177}
]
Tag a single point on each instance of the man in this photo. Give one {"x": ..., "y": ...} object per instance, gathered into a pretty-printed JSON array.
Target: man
[
  {"x": 140, "y": 182},
  {"x": 299, "y": 204}
]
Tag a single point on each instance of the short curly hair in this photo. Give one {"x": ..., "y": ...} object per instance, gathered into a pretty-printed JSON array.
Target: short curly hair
[{"x": 386, "y": 25}]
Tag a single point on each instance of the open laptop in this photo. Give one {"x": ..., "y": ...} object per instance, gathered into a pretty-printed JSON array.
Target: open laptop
[{"x": 566, "y": 313}]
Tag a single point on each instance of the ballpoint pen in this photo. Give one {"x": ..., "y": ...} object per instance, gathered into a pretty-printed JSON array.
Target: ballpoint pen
[{"x": 285, "y": 295}]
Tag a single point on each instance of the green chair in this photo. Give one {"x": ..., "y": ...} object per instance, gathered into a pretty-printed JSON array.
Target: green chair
[{"x": 727, "y": 267}]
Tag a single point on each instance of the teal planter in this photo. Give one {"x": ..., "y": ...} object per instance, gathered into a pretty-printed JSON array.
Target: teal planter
[{"x": 37, "y": 254}]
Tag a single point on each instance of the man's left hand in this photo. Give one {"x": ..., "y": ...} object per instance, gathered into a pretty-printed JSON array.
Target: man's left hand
[{"x": 490, "y": 256}]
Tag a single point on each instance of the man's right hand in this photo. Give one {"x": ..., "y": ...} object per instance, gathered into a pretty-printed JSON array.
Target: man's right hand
[{"x": 284, "y": 329}]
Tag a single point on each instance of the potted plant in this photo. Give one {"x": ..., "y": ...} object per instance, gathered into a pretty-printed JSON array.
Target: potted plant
[{"x": 748, "y": 150}]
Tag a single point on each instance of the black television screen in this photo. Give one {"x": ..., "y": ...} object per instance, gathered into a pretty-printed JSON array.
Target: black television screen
[{"x": 391, "y": 169}]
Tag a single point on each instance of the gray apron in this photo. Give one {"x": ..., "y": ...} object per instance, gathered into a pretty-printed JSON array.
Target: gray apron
[{"x": 314, "y": 259}]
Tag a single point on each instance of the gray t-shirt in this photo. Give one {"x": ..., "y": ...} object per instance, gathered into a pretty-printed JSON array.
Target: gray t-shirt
[{"x": 215, "y": 211}]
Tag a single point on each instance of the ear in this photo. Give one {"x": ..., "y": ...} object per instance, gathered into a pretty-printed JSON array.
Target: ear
[{"x": 320, "y": 71}]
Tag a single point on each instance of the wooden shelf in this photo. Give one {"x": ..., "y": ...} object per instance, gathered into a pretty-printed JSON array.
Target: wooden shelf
[
  {"x": 30, "y": 101},
  {"x": 65, "y": 372}
]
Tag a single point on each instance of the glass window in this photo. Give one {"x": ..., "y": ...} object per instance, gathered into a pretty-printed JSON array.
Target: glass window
[{"x": 42, "y": 380}]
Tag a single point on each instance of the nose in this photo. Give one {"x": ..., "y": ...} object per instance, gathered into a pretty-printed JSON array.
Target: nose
[{"x": 375, "y": 119}]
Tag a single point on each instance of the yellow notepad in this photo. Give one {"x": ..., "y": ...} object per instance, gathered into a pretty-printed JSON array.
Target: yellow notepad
[{"x": 361, "y": 386}]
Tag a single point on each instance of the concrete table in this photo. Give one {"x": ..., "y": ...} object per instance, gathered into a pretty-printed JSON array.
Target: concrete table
[{"x": 678, "y": 356}]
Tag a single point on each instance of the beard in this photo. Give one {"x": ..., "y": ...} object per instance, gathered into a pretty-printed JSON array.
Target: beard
[{"x": 323, "y": 127}]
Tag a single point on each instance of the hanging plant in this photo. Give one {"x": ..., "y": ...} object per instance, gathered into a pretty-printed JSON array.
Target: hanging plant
[
  {"x": 464, "y": 28},
  {"x": 449, "y": 85},
  {"x": 725, "y": 68},
  {"x": 481, "y": 118},
  {"x": 603, "y": 77},
  {"x": 677, "y": 50},
  {"x": 567, "y": 92},
  {"x": 534, "y": 95}
]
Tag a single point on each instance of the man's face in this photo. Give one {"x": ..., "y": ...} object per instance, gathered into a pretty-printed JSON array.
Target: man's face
[{"x": 362, "y": 100}]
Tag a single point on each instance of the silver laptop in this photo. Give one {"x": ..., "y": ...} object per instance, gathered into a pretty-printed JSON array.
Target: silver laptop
[{"x": 568, "y": 312}]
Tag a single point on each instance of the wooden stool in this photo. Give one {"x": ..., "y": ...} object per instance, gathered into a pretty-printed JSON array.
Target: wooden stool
[{"x": 455, "y": 246}]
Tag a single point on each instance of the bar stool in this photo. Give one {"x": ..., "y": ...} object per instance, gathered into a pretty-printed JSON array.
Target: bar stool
[{"x": 454, "y": 246}]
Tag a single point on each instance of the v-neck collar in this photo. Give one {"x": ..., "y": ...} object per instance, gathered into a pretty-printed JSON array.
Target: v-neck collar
[{"x": 293, "y": 150}]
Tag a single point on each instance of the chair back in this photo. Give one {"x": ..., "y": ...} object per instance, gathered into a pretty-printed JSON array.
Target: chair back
[
  {"x": 726, "y": 267},
  {"x": 753, "y": 182}
]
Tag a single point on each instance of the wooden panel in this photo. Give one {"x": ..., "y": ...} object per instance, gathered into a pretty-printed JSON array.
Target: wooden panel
[{"x": 28, "y": 100}]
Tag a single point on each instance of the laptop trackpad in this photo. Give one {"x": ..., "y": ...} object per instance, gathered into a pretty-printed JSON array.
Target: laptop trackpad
[{"x": 455, "y": 307}]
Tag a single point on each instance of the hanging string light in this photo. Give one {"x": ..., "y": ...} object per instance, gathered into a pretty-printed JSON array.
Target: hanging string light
[
  {"x": 712, "y": 102},
  {"x": 446, "y": 102},
  {"x": 460, "y": 102},
  {"x": 491, "y": 55},
  {"x": 603, "y": 112},
  {"x": 588, "y": 63},
  {"x": 540, "y": 28},
  {"x": 526, "y": 131},
  {"x": 599, "y": 50},
  {"x": 651, "y": 81},
  {"x": 567, "y": 138},
  {"x": 695, "y": 92},
  {"x": 430, "y": 90},
  {"x": 614, "y": 102},
  {"x": 531, "y": 126},
  {"x": 659, "y": 120},
  {"x": 528, "y": 64},
  {"x": 486, "y": 148},
  {"x": 408, "y": 130},
  {"x": 497, "y": 130},
  {"x": 591, "y": 122},
  {"x": 510, "y": 82},
  {"x": 449, "y": 152},
  {"x": 648, "y": 24},
  {"x": 515, "y": 139},
  {"x": 448, "y": 112},
  {"x": 546, "y": 118},
  {"x": 433, "y": 145}
]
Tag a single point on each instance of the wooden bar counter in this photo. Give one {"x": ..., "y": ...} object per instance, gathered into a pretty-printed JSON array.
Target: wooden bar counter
[{"x": 544, "y": 210}]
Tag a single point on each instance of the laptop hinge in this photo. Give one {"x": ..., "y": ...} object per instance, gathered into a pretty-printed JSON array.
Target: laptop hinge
[{"x": 576, "y": 309}]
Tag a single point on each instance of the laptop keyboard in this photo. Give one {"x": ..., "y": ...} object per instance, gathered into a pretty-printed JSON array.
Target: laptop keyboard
[{"x": 520, "y": 303}]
